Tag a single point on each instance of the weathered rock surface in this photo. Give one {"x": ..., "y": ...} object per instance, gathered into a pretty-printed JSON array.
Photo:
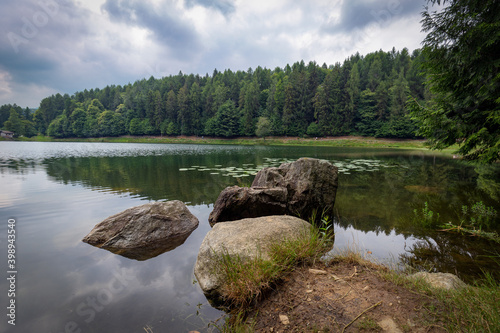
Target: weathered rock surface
[
  {"x": 247, "y": 238},
  {"x": 235, "y": 203},
  {"x": 446, "y": 281},
  {"x": 145, "y": 231},
  {"x": 311, "y": 183},
  {"x": 295, "y": 188}
]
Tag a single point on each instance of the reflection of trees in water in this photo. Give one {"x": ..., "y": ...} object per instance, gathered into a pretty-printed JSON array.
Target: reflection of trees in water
[
  {"x": 489, "y": 180},
  {"x": 386, "y": 198},
  {"x": 450, "y": 253},
  {"x": 21, "y": 166},
  {"x": 152, "y": 177},
  {"x": 384, "y": 201}
]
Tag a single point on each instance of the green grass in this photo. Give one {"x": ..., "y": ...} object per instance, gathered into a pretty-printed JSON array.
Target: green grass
[
  {"x": 473, "y": 308},
  {"x": 368, "y": 323},
  {"x": 272, "y": 141},
  {"x": 247, "y": 280}
]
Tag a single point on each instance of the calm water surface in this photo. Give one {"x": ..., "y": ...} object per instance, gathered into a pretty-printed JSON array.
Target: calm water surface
[{"x": 57, "y": 192}]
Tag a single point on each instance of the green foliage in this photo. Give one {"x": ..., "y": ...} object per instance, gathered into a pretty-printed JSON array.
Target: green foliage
[
  {"x": 325, "y": 227},
  {"x": 477, "y": 220},
  {"x": 463, "y": 69},
  {"x": 313, "y": 130},
  {"x": 78, "y": 118},
  {"x": 14, "y": 123},
  {"x": 135, "y": 127},
  {"x": 362, "y": 96},
  {"x": 479, "y": 215},
  {"x": 263, "y": 127},
  {"x": 426, "y": 217},
  {"x": 28, "y": 129},
  {"x": 472, "y": 231},
  {"x": 225, "y": 122}
]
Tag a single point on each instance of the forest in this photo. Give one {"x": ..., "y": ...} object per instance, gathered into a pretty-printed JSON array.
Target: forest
[{"x": 365, "y": 95}]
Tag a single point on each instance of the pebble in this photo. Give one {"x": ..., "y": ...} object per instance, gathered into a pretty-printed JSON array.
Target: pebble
[{"x": 284, "y": 320}]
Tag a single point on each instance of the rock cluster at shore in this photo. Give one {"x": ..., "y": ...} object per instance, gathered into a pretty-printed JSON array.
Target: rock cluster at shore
[
  {"x": 263, "y": 214},
  {"x": 299, "y": 188}
]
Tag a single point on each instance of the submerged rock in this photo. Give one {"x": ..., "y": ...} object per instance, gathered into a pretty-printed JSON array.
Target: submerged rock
[
  {"x": 446, "y": 281},
  {"x": 423, "y": 189},
  {"x": 145, "y": 231},
  {"x": 246, "y": 239},
  {"x": 296, "y": 188}
]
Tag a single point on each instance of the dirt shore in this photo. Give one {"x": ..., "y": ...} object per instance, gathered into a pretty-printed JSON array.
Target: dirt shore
[{"x": 344, "y": 297}]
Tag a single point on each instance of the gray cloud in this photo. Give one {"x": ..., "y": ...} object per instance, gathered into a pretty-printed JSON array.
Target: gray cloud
[
  {"x": 226, "y": 7},
  {"x": 358, "y": 14},
  {"x": 72, "y": 46},
  {"x": 38, "y": 37},
  {"x": 168, "y": 29}
]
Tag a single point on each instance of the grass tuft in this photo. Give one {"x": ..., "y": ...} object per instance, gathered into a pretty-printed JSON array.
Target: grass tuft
[
  {"x": 468, "y": 309},
  {"x": 474, "y": 308},
  {"x": 247, "y": 279}
]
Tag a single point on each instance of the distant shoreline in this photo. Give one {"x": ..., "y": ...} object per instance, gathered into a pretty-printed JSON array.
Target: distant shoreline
[{"x": 341, "y": 141}]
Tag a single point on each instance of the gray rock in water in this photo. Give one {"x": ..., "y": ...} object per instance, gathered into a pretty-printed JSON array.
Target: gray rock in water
[
  {"x": 446, "y": 281},
  {"x": 247, "y": 239},
  {"x": 145, "y": 231},
  {"x": 235, "y": 203},
  {"x": 296, "y": 188},
  {"x": 311, "y": 184}
]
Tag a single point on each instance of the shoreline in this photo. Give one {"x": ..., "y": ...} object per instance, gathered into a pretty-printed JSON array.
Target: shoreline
[
  {"x": 341, "y": 141},
  {"x": 351, "y": 293}
]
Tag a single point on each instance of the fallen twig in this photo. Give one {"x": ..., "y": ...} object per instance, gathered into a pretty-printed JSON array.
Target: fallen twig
[
  {"x": 347, "y": 293},
  {"x": 362, "y": 313}
]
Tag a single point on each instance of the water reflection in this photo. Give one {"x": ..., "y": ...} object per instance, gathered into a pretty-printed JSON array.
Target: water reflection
[
  {"x": 377, "y": 194},
  {"x": 451, "y": 254},
  {"x": 151, "y": 250},
  {"x": 58, "y": 191}
]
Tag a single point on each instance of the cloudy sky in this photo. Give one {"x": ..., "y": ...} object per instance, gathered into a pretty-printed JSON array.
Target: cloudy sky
[{"x": 65, "y": 46}]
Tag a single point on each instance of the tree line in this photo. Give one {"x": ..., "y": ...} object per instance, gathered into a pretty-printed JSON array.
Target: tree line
[{"x": 364, "y": 95}]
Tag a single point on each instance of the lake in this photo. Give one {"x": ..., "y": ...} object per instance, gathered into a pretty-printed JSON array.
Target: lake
[{"x": 57, "y": 192}]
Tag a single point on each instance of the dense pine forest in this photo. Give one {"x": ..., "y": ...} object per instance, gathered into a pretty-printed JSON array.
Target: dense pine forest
[{"x": 365, "y": 95}]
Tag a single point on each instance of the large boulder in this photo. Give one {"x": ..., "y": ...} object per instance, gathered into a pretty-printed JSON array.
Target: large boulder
[
  {"x": 300, "y": 187},
  {"x": 145, "y": 231},
  {"x": 310, "y": 183},
  {"x": 235, "y": 203},
  {"x": 247, "y": 239}
]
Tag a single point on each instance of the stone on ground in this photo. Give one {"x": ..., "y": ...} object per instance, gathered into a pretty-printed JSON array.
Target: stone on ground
[{"x": 446, "y": 281}]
